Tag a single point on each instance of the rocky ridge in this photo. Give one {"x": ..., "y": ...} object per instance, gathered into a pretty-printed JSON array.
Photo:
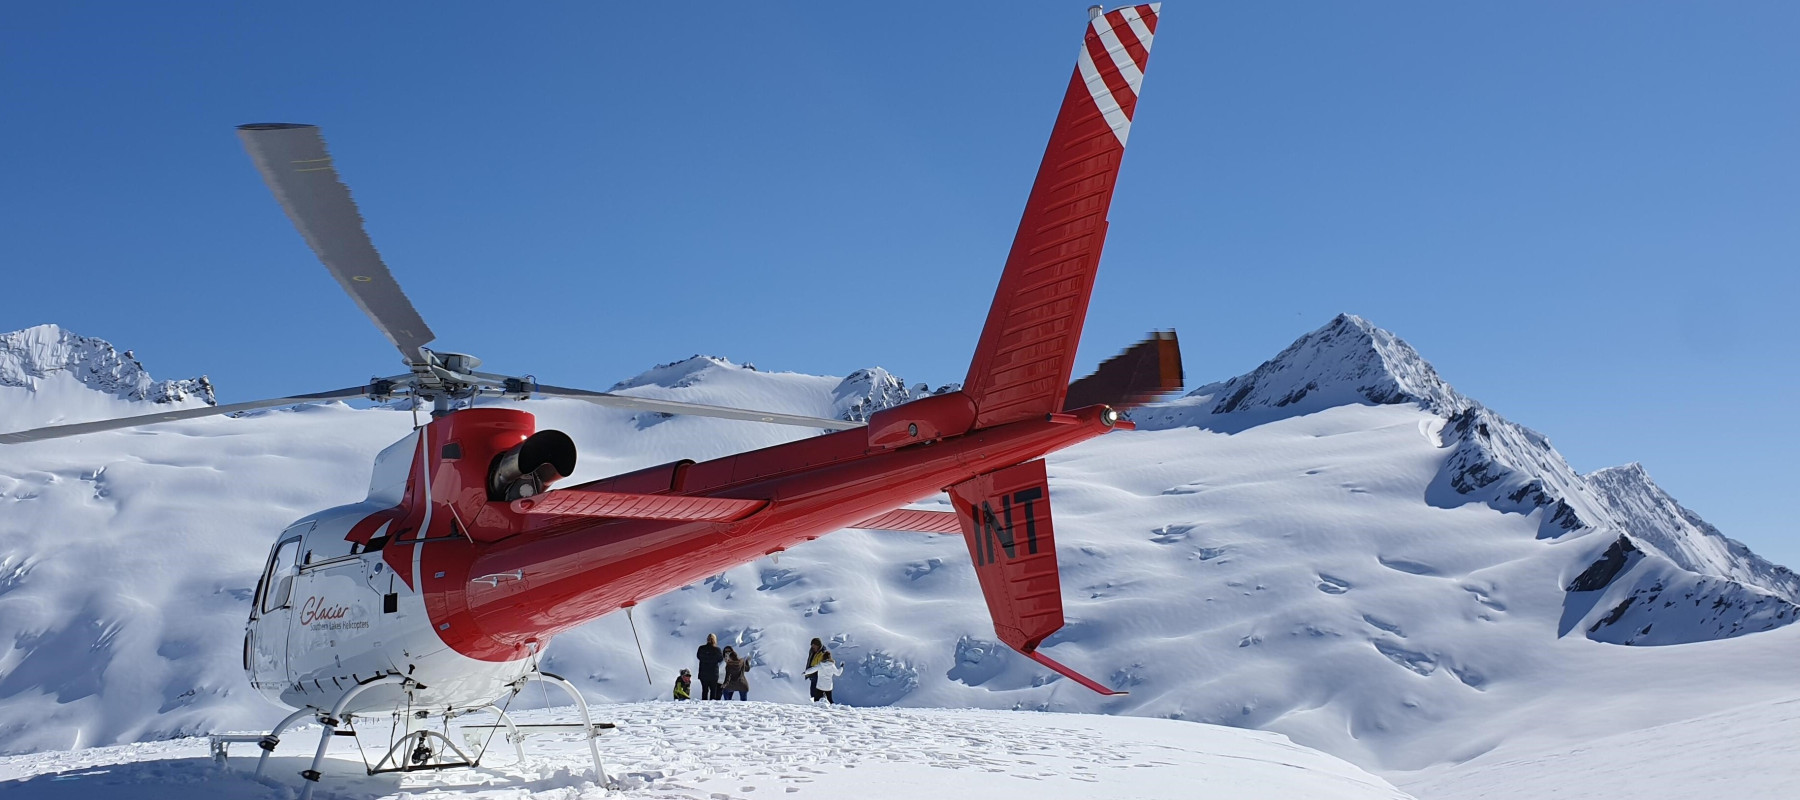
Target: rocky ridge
[{"x": 33, "y": 355}]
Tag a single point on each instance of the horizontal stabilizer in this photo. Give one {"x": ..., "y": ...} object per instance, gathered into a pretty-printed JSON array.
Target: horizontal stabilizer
[
  {"x": 628, "y": 505},
  {"x": 1141, "y": 374},
  {"x": 906, "y": 519},
  {"x": 1005, "y": 517}
]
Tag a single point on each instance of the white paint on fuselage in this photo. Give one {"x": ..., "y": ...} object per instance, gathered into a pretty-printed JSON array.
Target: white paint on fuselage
[{"x": 335, "y": 630}]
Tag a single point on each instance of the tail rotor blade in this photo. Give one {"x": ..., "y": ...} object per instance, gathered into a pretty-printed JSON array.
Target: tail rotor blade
[
  {"x": 79, "y": 428},
  {"x": 294, "y": 163},
  {"x": 694, "y": 409},
  {"x": 1141, "y": 374}
]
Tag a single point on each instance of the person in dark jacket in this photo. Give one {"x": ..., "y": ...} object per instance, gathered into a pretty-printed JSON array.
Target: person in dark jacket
[
  {"x": 684, "y": 686},
  {"x": 737, "y": 676},
  {"x": 710, "y": 658},
  {"x": 814, "y": 653}
]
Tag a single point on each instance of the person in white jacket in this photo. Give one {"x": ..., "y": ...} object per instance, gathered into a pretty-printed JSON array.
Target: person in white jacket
[{"x": 825, "y": 671}]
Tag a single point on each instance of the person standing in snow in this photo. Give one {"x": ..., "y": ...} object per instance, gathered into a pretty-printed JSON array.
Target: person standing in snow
[
  {"x": 737, "y": 676},
  {"x": 814, "y": 654},
  {"x": 825, "y": 674},
  {"x": 710, "y": 658},
  {"x": 684, "y": 686}
]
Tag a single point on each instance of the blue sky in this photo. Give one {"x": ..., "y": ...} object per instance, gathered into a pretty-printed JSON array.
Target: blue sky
[{"x": 1583, "y": 214}]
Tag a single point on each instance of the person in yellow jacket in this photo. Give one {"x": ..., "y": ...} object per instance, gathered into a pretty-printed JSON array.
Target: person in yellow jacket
[
  {"x": 684, "y": 686},
  {"x": 814, "y": 654}
]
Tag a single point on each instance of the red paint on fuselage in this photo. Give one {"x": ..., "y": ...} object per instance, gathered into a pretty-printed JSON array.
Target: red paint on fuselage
[{"x": 540, "y": 575}]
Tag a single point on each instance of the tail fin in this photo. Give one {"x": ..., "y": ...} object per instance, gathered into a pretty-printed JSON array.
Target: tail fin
[
  {"x": 1005, "y": 518},
  {"x": 1027, "y": 349}
]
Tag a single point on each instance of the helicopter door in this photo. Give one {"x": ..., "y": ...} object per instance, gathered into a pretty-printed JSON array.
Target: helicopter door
[
  {"x": 269, "y": 632},
  {"x": 334, "y": 627}
]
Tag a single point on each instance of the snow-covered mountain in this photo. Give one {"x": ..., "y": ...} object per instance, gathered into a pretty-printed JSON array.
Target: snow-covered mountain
[
  {"x": 1337, "y": 546},
  {"x": 1656, "y": 521},
  {"x": 1667, "y": 566},
  {"x": 37, "y": 357}
]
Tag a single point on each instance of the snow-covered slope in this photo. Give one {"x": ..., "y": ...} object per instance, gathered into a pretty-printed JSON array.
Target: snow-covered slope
[
  {"x": 51, "y": 376},
  {"x": 1747, "y": 752},
  {"x": 747, "y": 750},
  {"x": 1337, "y": 547}
]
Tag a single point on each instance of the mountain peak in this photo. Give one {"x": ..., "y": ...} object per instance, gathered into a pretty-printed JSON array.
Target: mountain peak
[
  {"x": 1349, "y": 360},
  {"x": 1660, "y": 523},
  {"x": 36, "y": 354},
  {"x": 679, "y": 374}
]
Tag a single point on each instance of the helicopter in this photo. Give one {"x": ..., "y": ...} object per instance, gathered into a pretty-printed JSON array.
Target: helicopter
[{"x": 436, "y": 595}]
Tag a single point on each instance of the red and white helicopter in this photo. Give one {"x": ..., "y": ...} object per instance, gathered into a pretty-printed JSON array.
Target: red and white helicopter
[{"x": 435, "y": 596}]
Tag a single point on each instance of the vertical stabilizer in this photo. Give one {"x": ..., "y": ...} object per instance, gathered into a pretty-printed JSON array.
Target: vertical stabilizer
[{"x": 1027, "y": 349}]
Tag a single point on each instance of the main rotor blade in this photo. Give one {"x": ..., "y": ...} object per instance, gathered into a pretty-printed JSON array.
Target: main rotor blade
[
  {"x": 76, "y": 429},
  {"x": 694, "y": 409},
  {"x": 293, "y": 161}
]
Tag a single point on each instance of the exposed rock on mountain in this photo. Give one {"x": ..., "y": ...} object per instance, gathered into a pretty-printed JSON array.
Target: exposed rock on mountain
[
  {"x": 1660, "y": 523},
  {"x": 33, "y": 355},
  {"x": 1347, "y": 361},
  {"x": 1514, "y": 469}
]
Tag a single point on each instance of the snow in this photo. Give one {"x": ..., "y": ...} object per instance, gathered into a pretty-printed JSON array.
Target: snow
[
  {"x": 1747, "y": 752},
  {"x": 1380, "y": 569},
  {"x": 1658, "y": 521},
  {"x": 747, "y": 750}
]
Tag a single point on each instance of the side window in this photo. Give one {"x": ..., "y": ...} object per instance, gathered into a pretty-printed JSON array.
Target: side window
[{"x": 278, "y": 582}]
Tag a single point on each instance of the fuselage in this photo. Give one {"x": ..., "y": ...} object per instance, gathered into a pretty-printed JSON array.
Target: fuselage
[{"x": 431, "y": 579}]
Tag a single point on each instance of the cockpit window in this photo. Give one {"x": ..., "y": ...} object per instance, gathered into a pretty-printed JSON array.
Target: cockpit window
[{"x": 279, "y": 580}]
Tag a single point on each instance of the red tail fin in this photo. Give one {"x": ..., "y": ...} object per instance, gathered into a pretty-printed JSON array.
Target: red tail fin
[
  {"x": 1027, "y": 349},
  {"x": 1005, "y": 517}
]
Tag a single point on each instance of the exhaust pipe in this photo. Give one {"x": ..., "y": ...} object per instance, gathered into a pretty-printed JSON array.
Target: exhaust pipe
[{"x": 528, "y": 469}]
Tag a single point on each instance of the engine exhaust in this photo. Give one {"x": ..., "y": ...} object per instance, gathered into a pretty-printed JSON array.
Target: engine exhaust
[{"x": 528, "y": 469}]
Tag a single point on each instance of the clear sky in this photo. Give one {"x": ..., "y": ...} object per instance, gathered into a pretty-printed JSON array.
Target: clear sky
[{"x": 1584, "y": 214}]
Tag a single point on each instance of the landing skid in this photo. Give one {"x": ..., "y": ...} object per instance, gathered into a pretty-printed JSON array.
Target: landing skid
[{"x": 420, "y": 749}]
